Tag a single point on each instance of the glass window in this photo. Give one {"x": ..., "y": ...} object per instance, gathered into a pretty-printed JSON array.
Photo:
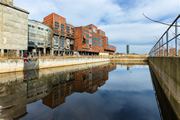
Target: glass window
[
  {"x": 62, "y": 25},
  {"x": 56, "y": 25}
]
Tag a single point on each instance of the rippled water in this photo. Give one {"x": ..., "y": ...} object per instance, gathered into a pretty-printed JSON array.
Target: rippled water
[{"x": 105, "y": 92}]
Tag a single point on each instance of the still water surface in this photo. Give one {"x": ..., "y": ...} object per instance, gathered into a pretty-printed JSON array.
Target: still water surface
[{"x": 106, "y": 92}]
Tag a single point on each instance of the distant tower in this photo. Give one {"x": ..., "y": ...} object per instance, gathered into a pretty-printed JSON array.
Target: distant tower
[
  {"x": 127, "y": 49},
  {"x": 9, "y": 2}
]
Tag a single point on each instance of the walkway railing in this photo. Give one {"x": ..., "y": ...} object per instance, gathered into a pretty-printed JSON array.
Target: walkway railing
[{"x": 169, "y": 42}]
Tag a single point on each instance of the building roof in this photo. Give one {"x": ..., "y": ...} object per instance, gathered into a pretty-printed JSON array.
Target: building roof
[
  {"x": 14, "y": 7},
  {"x": 70, "y": 25},
  {"x": 39, "y": 23}
]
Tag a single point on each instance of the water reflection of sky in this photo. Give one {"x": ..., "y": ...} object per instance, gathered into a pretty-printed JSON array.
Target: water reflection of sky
[
  {"x": 136, "y": 79},
  {"x": 127, "y": 95}
]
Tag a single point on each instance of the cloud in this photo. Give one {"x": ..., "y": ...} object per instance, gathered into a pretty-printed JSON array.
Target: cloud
[
  {"x": 133, "y": 32},
  {"x": 91, "y": 11},
  {"x": 135, "y": 79},
  {"x": 38, "y": 9},
  {"x": 103, "y": 105},
  {"x": 122, "y": 20}
]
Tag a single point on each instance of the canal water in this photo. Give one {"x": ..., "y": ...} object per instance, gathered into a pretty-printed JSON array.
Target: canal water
[{"x": 91, "y": 92}]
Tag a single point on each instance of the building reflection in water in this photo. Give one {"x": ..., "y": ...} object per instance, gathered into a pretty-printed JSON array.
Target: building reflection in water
[
  {"x": 51, "y": 86},
  {"x": 12, "y": 99}
]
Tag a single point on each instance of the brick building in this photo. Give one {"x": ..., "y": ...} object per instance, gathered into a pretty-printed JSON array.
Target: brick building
[
  {"x": 91, "y": 40},
  {"x": 86, "y": 40},
  {"x": 63, "y": 33}
]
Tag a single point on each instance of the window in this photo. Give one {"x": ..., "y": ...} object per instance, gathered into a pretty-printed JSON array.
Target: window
[
  {"x": 56, "y": 25},
  {"x": 68, "y": 28},
  {"x": 62, "y": 25},
  {"x": 32, "y": 26},
  {"x": 84, "y": 41},
  {"x": 87, "y": 35}
]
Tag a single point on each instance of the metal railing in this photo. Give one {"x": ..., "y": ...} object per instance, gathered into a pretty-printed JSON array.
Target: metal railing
[{"x": 168, "y": 44}]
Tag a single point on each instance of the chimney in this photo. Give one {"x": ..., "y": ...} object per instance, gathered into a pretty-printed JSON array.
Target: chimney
[{"x": 8, "y": 2}]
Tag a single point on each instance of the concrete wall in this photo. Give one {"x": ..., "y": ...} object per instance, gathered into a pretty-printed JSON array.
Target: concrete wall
[
  {"x": 11, "y": 65},
  {"x": 9, "y": 2},
  {"x": 45, "y": 63},
  {"x": 19, "y": 65},
  {"x": 167, "y": 71},
  {"x": 13, "y": 28},
  {"x": 129, "y": 58}
]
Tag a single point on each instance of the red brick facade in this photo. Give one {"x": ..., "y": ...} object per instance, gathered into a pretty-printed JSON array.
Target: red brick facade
[
  {"x": 87, "y": 39},
  {"x": 56, "y": 22},
  {"x": 91, "y": 39}
]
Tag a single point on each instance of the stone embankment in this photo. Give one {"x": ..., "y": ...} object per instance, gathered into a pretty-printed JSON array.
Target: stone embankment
[
  {"x": 18, "y": 64},
  {"x": 167, "y": 72},
  {"x": 129, "y": 59},
  {"x": 12, "y": 65}
]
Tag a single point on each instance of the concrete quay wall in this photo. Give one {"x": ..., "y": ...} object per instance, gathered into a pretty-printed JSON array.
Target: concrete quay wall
[
  {"x": 136, "y": 59},
  {"x": 13, "y": 65},
  {"x": 167, "y": 72},
  {"x": 46, "y": 63}
]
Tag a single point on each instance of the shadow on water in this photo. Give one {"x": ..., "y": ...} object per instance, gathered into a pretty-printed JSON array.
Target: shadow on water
[
  {"x": 164, "y": 105},
  {"x": 52, "y": 86}
]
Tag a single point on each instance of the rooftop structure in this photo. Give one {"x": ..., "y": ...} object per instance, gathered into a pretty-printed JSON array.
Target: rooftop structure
[{"x": 8, "y": 2}]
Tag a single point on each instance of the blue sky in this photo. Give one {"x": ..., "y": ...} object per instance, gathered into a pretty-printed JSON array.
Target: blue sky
[{"x": 122, "y": 20}]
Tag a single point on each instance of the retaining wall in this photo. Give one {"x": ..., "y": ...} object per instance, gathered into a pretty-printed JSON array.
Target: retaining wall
[
  {"x": 129, "y": 59},
  {"x": 12, "y": 65},
  {"x": 167, "y": 71}
]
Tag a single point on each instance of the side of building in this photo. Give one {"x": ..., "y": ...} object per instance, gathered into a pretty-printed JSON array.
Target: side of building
[
  {"x": 91, "y": 40},
  {"x": 39, "y": 38},
  {"x": 13, "y": 29},
  {"x": 63, "y": 33}
]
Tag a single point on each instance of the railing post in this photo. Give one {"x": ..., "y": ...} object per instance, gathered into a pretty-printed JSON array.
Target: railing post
[
  {"x": 162, "y": 46},
  {"x": 159, "y": 48},
  {"x": 176, "y": 30},
  {"x": 167, "y": 47}
]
